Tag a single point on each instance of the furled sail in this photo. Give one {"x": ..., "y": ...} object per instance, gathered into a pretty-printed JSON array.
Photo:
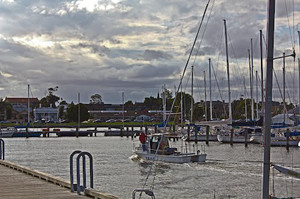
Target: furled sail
[{"x": 287, "y": 171}]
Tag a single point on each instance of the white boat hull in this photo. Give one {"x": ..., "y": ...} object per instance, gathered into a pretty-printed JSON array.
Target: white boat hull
[
  {"x": 202, "y": 138},
  {"x": 179, "y": 158},
  {"x": 275, "y": 141},
  {"x": 235, "y": 139}
]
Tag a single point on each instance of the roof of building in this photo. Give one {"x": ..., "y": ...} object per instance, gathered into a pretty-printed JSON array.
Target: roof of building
[{"x": 20, "y": 100}]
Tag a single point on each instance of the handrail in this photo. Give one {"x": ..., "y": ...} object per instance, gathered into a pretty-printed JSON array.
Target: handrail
[
  {"x": 79, "y": 187},
  {"x": 146, "y": 191},
  {"x": 71, "y": 169},
  {"x": 2, "y": 149}
]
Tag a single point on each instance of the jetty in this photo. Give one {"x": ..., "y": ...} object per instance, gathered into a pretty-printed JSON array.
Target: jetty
[{"x": 17, "y": 181}]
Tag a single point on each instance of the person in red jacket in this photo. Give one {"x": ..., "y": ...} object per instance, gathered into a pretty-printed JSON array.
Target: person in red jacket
[{"x": 142, "y": 139}]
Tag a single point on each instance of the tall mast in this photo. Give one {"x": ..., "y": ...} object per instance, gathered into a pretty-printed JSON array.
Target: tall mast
[
  {"x": 256, "y": 75},
  {"x": 262, "y": 73},
  {"x": 245, "y": 94},
  {"x": 205, "y": 105},
  {"x": 283, "y": 76},
  {"x": 250, "y": 77},
  {"x": 268, "y": 103},
  {"x": 299, "y": 72},
  {"x": 181, "y": 104},
  {"x": 28, "y": 105},
  {"x": 78, "y": 111},
  {"x": 123, "y": 111},
  {"x": 228, "y": 77},
  {"x": 251, "y": 86},
  {"x": 210, "y": 92},
  {"x": 164, "y": 104},
  {"x": 192, "y": 92}
]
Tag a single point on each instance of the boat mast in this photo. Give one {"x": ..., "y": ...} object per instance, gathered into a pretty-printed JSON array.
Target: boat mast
[
  {"x": 181, "y": 104},
  {"x": 251, "y": 86},
  {"x": 78, "y": 111},
  {"x": 256, "y": 75},
  {"x": 210, "y": 98},
  {"x": 164, "y": 104},
  {"x": 249, "y": 57},
  {"x": 268, "y": 101},
  {"x": 123, "y": 111},
  {"x": 262, "y": 73},
  {"x": 28, "y": 105},
  {"x": 228, "y": 77},
  {"x": 192, "y": 92},
  {"x": 205, "y": 105},
  {"x": 299, "y": 73},
  {"x": 284, "y": 107},
  {"x": 245, "y": 94}
]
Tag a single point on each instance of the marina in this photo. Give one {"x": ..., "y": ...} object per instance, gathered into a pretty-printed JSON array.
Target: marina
[{"x": 229, "y": 171}]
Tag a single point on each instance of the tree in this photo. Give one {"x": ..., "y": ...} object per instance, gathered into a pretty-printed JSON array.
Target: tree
[
  {"x": 50, "y": 99},
  {"x": 72, "y": 113},
  {"x": 5, "y": 110},
  {"x": 128, "y": 104},
  {"x": 96, "y": 99}
]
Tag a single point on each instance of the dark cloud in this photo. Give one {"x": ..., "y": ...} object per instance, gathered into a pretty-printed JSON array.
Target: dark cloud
[{"x": 131, "y": 46}]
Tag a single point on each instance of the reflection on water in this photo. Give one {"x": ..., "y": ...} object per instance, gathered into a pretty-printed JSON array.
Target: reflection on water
[{"x": 233, "y": 171}]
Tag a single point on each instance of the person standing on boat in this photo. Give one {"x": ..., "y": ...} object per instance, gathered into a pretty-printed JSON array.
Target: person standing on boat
[{"x": 142, "y": 139}]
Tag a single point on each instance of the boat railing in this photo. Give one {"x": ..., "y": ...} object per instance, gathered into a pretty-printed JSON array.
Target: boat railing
[
  {"x": 146, "y": 191},
  {"x": 2, "y": 149},
  {"x": 82, "y": 155}
]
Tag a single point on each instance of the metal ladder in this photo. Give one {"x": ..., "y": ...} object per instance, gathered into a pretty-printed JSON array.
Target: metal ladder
[
  {"x": 80, "y": 188},
  {"x": 2, "y": 149}
]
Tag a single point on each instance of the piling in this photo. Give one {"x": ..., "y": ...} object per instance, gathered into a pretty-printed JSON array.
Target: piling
[
  {"x": 27, "y": 132},
  {"x": 155, "y": 128},
  {"x": 231, "y": 136},
  {"x": 188, "y": 132},
  {"x": 196, "y": 132},
  {"x": 287, "y": 139},
  {"x": 207, "y": 135},
  {"x": 246, "y": 136}
]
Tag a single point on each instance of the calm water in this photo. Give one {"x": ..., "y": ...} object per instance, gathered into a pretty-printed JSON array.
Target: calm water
[{"x": 229, "y": 171}]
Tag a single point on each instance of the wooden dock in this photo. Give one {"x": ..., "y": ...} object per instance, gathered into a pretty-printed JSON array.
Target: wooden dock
[{"x": 21, "y": 182}]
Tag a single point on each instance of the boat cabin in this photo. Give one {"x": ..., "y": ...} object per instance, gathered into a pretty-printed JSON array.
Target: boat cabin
[{"x": 160, "y": 143}]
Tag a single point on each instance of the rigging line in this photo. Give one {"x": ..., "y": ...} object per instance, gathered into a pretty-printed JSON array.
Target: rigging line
[
  {"x": 284, "y": 106},
  {"x": 212, "y": 66},
  {"x": 204, "y": 31},
  {"x": 168, "y": 118},
  {"x": 287, "y": 16}
]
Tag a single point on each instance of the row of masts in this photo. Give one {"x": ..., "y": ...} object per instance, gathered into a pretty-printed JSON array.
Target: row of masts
[{"x": 251, "y": 72}]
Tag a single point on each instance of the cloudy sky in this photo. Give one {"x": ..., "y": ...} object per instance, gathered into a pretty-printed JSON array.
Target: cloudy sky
[{"x": 135, "y": 46}]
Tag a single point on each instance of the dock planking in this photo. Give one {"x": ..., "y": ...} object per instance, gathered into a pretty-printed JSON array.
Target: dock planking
[
  {"x": 15, "y": 184},
  {"x": 21, "y": 182}
]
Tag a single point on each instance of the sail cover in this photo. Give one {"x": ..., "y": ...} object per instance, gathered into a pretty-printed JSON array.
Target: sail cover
[{"x": 286, "y": 171}]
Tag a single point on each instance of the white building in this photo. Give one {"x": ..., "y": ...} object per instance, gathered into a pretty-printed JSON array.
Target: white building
[{"x": 46, "y": 113}]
